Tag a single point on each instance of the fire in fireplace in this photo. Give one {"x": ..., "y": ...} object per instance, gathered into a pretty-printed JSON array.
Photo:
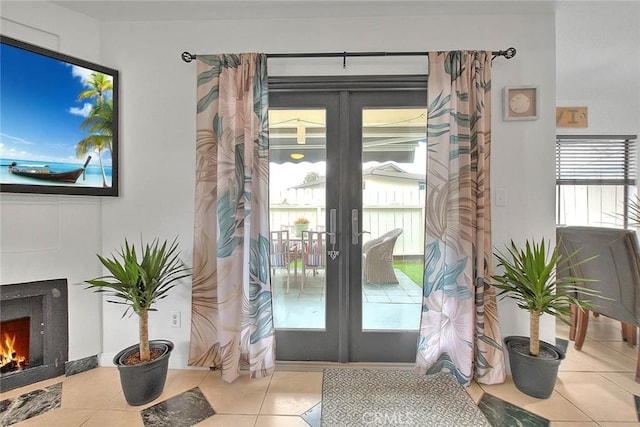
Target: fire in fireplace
[
  {"x": 34, "y": 335},
  {"x": 14, "y": 348}
]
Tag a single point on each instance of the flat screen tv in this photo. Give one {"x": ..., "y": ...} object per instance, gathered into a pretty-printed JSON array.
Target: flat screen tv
[{"x": 58, "y": 123}]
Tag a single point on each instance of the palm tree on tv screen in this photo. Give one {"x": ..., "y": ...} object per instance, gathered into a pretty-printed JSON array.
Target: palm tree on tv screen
[{"x": 99, "y": 123}]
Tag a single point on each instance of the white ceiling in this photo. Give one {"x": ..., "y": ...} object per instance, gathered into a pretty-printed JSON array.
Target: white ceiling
[{"x": 176, "y": 10}]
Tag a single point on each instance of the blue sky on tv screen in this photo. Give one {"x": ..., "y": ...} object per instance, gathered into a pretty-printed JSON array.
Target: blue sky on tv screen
[{"x": 40, "y": 115}]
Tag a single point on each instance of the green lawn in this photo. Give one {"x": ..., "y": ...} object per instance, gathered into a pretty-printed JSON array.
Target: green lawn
[{"x": 413, "y": 270}]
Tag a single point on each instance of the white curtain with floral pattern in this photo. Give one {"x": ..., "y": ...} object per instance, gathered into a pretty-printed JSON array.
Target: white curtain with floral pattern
[
  {"x": 459, "y": 330},
  {"x": 232, "y": 319}
]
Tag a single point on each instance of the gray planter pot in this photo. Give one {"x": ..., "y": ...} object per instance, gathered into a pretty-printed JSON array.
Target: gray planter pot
[
  {"x": 534, "y": 376},
  {"x": 143, "y": 383}
]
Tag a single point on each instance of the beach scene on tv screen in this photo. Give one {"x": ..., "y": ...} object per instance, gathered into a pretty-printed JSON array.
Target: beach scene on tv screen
[{"x": 56, "y": 117}]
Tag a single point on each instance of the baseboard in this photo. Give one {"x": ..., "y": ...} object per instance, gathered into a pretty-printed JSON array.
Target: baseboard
[
  {"x": 73, "y": 367},
  {"x": 311, "y": 366},
  {"x": 106, "y": 359}
]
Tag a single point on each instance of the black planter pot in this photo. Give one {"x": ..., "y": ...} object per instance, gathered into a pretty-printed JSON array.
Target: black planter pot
[
  {"x": 534, "y": 376},
  {"x": 144, "y": 382}
]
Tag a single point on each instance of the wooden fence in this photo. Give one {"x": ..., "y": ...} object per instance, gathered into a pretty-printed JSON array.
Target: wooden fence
[{"x": 382, "y": 211}]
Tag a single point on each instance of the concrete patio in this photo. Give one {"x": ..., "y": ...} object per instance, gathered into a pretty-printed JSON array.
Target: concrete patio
[{"x": 392, "y": 306}]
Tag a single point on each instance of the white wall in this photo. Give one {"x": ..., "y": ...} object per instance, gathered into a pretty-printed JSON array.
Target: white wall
[
  {"x": 598, "y": 65},
  {"x": 157, "y": 132},
  {"x": 48, "y": 236}
]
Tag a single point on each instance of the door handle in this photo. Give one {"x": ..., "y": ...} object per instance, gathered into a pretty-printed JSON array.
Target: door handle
[
  {"x": 355, "y": 228},
  {"x": 332, "y": 227}
]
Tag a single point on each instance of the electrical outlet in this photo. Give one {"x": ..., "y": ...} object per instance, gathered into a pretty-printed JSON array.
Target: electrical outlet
[
  {"x": 175, "y": 319},
  {"x": 501, "y": 197}
]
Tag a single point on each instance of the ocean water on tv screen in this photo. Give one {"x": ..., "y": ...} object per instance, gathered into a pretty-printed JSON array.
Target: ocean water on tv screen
[{"x": 92, "y": 177}]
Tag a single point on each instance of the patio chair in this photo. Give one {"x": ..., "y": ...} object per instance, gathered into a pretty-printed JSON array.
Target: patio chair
[
  {"x": 616, "y": 275},
  {"x": 314, "y": 253},
  {"x": 281, "y": 255},
  {"x": 377, "y": 258}
]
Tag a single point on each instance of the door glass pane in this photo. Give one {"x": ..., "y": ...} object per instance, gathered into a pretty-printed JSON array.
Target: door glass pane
[
  {"x": 393, "y": 195},
  {"x": 297, "y": 171}
]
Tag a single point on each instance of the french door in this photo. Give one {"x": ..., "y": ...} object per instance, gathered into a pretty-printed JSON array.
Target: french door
[{"x": 347, "y": 180}]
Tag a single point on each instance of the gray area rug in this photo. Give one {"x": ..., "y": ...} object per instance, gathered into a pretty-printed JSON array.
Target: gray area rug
[{"x": 365, "y": 397}]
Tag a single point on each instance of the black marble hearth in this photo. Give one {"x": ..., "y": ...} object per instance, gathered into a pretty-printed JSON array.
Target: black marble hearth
[{"x": 45, "y": 304}]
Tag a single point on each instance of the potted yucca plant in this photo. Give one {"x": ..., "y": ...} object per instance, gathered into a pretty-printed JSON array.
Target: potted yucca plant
[
  {"x": 138, "y": 280},
  {"x": 534, "y": 276}
]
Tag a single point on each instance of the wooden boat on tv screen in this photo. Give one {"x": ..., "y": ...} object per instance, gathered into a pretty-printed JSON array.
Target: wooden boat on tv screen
[{"x": 47, "y": 174}]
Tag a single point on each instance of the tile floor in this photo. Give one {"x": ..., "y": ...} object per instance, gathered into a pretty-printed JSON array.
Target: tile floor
[{"x": 595, "y": 387}]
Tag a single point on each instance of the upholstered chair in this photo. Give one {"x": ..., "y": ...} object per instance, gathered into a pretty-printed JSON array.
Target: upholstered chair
[
  {"x": 377, "y": 258},
  {"x": 616, "y": 274}
]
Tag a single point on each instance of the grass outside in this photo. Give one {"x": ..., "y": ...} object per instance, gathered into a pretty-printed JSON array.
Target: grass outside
[{"x": 413, "y": 270}]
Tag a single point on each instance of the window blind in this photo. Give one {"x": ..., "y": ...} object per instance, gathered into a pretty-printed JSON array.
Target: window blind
[{"x": 596, "y": 160}]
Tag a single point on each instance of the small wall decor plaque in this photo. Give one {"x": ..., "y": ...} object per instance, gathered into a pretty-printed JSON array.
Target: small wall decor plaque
[
  {"x": 520, "y": 103},
  {"x": 571, "y": 117}
]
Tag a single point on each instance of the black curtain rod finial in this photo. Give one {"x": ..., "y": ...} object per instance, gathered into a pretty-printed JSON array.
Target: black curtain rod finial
[
  {"x": 188, "y": 57},
  {"x": 509, "y": 53}
]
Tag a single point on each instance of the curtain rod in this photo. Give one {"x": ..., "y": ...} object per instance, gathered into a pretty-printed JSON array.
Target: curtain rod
[{"x": 508, "y": 54}]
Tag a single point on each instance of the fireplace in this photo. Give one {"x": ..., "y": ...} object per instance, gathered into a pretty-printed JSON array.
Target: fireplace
[{"x": 34, "y": 333}]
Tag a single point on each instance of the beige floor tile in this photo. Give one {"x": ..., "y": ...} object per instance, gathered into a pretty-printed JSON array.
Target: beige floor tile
[
  {"x": 292, "y": 393},
  {"x": 243, "y": 396},
  {"x": 179, "y": 381},
  {"x": 596, "y": 356},
  {"x": 284, "y": 381},
  {"x": 573, "y": 424},
  {"x": 114, "y": 418},
  {"x": 613, "y": 424},
  {"x": 31, "y": 387},
  {"x": 598, "y": 397},
  {"x": 556, "y": 407},
  {"x": 626, "y": 380},
  {"x": 576, "y": 361},
  {"x": 58, "y": 418},
  {"x": 603, "y": 328},
  {"x": 280, "y": 421},
  {"x": 119, "y": 403},
  {"x": 622, "y": 347},
  {"x": 475, "y": 391},
  {"x": 219, "y": 420},
  {"x": 93, "y": 389}
]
